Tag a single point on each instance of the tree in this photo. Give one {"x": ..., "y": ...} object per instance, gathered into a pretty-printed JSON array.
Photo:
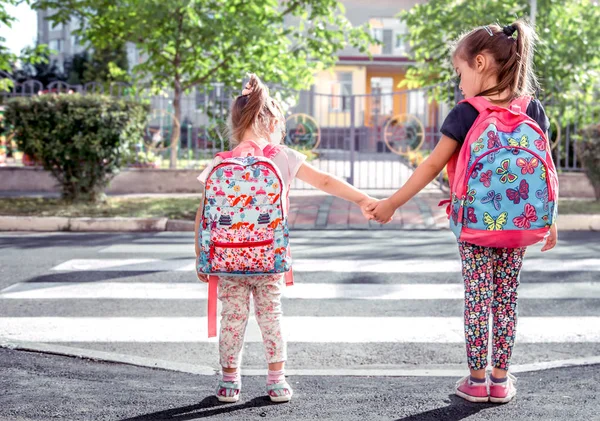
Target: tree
[
  {"x": 566, "y": 61},
  {"x": 28, "y": 56},
  {"x": 189, "y": 43},
  {"x": 108, "y": 64},
  {"x": 44, "y": 71}
]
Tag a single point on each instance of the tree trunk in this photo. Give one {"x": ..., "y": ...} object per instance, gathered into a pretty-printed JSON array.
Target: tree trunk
[{"x": 176, "y": 125}]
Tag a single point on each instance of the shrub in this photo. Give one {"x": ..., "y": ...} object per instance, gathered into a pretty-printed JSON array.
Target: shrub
[
  {"x": 82, "y": 140},
  {"x": 588, "y": 150}
]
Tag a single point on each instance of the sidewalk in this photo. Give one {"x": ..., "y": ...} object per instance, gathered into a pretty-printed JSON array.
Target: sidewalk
[
  {"x": 42, "y": 387},
  {"x": 318, "y": 211}
]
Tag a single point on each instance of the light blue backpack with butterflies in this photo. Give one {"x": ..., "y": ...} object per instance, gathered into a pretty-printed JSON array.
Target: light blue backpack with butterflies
[{"x": 504, "y": 187}]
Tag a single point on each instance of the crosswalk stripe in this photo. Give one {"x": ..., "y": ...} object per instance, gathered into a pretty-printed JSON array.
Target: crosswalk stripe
[
  {"x": 306, "y": 291},
  {"x": 330, "y": 265},
  {"x": 299, "y": 329}
]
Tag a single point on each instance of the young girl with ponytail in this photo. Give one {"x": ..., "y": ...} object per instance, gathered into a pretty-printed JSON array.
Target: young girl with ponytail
[{"x": 257, "y": 121}]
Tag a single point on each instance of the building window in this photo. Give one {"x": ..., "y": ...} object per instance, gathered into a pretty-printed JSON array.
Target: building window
[
  {"x": 341, "y": 90},
  {"x": 56, "y": 45},
  {"x": 386, "y": 39},
  {"x": 74, "y": 43}
]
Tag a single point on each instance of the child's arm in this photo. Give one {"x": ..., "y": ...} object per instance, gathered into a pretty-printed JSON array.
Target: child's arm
[
  {"x": 335, "y": 186},
  {"x": 423, "y": 175}
]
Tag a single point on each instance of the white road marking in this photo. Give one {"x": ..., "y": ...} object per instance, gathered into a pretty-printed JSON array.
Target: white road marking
[
  {"x": 307, "y": 291},
  {"x": 331, "y": 265},
  {"x": 300, "y": 329}
]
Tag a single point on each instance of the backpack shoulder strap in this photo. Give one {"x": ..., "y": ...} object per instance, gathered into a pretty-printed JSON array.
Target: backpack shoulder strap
[
  {"x": 271, "y": 150},
  {"x": 521, "y": 102},
  {"x": 224, "y": 154},
  {"x": 479, "y": 103}
]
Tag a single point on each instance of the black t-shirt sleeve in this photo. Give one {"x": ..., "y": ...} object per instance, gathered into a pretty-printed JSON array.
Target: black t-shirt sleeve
[
  {"x": 459, "y": 121},
  {"x": 536, "y": 111}
]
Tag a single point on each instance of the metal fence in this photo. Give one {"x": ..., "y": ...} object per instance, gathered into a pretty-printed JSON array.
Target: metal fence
[{"x": 370, "y": 139}]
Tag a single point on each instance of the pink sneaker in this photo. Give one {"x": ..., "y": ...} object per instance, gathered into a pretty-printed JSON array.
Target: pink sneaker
[
  {"x": 503, "y": 392},
  {"x": 471, "y": 391}
]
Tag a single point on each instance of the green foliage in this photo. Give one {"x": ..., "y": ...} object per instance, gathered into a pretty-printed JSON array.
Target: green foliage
[
  {"x": 566, "y": 61},
  {"x": 107, "y": 64},
  {"x": 28, "y": 56},
  {"x": 187, "y": 43},
  {"x": 82, "y": 140},
  {"x": 588, "y": 150}
]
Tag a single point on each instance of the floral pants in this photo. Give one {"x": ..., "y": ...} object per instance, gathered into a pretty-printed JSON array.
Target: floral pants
[
  {"x": 234, "y": 294},
  {"x": 491, "y": 277}
]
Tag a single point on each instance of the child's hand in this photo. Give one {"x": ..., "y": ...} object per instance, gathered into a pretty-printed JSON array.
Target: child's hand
[
  {"x": 382, "y": 211},
  {"x": 202, "y": 277},
  {"x": 551, "y": 239},
  {"x": 364, "y": 203}
]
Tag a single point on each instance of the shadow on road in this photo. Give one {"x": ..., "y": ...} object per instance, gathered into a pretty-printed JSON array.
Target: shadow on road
[
  {"x": 209, "y": 407},
  {"x": 457, "y": 410}
]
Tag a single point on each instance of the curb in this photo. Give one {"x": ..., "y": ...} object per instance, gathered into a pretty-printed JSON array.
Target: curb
[
  {"x": 53, "y": 224},
  {"x": 392, "y": 371}
]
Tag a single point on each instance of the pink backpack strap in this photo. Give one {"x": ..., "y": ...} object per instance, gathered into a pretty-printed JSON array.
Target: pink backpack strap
[
  {"x": 521, "y": 102},
  {"x": 479, "y": 103},
  {"x": 225, "y": 154},
  {"x": 213, "y": 283}
]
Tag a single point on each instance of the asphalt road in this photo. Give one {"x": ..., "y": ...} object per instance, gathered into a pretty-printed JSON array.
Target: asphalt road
[{"x": 372, "y": 292}]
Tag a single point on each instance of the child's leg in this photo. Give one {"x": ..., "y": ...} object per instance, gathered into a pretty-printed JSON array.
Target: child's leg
[
  {"x": 507, "y": 265},
  {"x": 477, "y": 270},
  {"x": 234, "y": 294},
  {"x": 267, "y": 291}
]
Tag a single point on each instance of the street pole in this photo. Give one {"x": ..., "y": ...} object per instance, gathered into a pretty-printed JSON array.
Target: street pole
[{"x": 532, "y": 11}]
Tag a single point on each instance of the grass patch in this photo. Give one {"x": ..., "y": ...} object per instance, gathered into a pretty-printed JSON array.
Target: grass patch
[
  {"x": 587, "y": 207},
  {"x": 172, "y": 208}
]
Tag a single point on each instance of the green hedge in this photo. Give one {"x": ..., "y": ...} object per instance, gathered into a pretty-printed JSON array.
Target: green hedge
[
  {"x": 82, "y": 140},
  {"x": 588, "y": 150}
]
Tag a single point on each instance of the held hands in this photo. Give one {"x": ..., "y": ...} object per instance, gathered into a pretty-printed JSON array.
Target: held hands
[{"x": 376, "y": 210}]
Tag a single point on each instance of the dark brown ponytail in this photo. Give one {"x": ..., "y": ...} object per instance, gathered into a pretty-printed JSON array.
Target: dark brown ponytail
[
  {"x": 254, "y": 110},
  {"x": 513, "y": 56}
]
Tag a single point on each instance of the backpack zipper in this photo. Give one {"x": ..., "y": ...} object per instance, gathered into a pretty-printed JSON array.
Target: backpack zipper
[
  {"x": 216, "y": 244},
  {"x": 529, "y": 151}
]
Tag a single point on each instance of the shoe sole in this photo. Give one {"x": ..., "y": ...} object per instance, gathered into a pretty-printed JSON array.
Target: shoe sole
[
  {"x": 503, "y": 400},
  {"x": 228, "y": 399},
  {"x": 281, "y": 399},
  {"x": 475, "y": 399}
]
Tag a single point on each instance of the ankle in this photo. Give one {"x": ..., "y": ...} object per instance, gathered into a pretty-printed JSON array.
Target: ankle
[
  {"x": 495, "y": 379},
  {"x": 231, "y": 376},
  {"x": 275, "y": 376}
]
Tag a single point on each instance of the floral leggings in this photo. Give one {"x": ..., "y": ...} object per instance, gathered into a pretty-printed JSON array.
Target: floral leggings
[
  {"x": 491, "y": 277},
  {"x": 234, "y": 294}
]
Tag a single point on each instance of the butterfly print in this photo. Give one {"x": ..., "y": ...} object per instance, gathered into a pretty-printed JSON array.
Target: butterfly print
[
  {"x": 491, "y": 158},
  {"x": 540, "y": 144},
  {"x": 454, "y": 215},
  {"x": 495, "y": 224},
  {"x": 523, "y": 142},
  {"x": 486, "y": 178},
  {"x": 471, "y": 196},
  {"x": 543, "y": 196},
  {"x": 494, "y": 198},
  {"x": 526, "y": 218},
  {"x": 470, "y": 217},
  {"x": 476, "y": 170},
  {"x": 505, "y": 174},
  {"x": 522, "y": 192},
  {"x": 528, "y": 165},
  {"x": 477, "y": 146},
  {"x": 543, "y": 174},
  {"x": 493, "y": 140}
]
